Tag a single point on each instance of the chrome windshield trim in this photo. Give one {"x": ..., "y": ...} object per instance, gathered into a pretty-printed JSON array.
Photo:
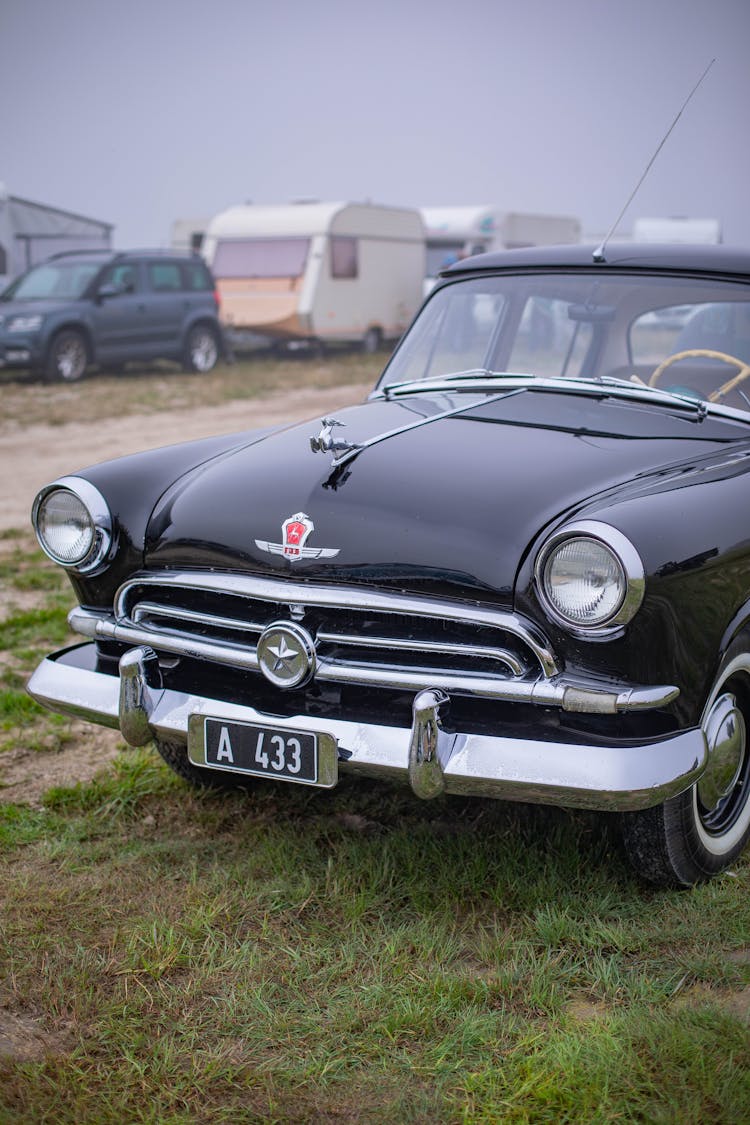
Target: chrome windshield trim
[
  {"x": 293, "y": 593},
  {"x": 602, "y": 388}
]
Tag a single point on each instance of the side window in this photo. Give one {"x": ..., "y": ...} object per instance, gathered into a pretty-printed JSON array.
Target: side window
[
  {"x": 195, "y": 276},
  {"x": 344, "y": 257},
  {"x": 122, "y": 277},
  {"x": 720, "y": 327},
  {"x": 164, "y": 277}
]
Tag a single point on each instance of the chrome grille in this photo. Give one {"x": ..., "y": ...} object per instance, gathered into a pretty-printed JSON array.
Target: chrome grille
[{"x": 361, "y": 635}]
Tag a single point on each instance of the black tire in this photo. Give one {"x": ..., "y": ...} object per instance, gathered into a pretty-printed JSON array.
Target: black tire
[
  {"x": 201, "y": 349},
  {"x": 68, "y": 356},
  {"x": 701, "y": 832},
  {"x": 176, "y": 757},
  {"x": 372, "y": 341}
]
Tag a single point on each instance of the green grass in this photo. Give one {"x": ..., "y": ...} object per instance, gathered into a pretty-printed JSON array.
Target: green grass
[
  {"x": 357, "y": 956},
  {"x": 285, "y": 954}
]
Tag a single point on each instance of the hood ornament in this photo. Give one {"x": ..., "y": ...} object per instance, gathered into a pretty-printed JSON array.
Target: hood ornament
[
  {"x": 294, "y": 532},
  {"x": 326, "y": 443}
]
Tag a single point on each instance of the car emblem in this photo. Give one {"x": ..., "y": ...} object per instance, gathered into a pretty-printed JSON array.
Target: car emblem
[
  {"x": 325, "y": 442},
  {"x": 294, "y": 532},
  {"x": 286, "y": 654}
]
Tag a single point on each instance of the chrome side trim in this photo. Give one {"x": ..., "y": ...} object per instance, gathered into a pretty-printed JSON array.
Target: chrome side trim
[
  {"x": 350, "y": 598},
  {"x": 561, "y": 691},
  {"x": 623, "y": 777}
]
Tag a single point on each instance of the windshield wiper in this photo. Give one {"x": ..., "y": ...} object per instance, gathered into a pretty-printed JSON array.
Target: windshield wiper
[
  {"x": 660, "y": 394},
  {"x": 468, "y": 375}
]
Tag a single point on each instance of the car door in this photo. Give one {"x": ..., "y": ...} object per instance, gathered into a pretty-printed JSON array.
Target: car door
[
  {"x": 166, "y": 298},
  {"x": 118, "y": 315}
]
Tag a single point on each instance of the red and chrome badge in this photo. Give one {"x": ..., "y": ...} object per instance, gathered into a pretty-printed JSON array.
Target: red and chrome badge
[{"x": 295, "y": 532}]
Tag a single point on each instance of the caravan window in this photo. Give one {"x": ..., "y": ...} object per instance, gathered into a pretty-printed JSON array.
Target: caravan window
[
  {"x": 260, "y": 257},
  {"x": 343, "y": 256}
]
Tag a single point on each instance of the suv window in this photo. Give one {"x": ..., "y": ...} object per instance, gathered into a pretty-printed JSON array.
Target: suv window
[
  {"x": 58, "y": 280},
  {"x": 196, "y": 276},
  {"x": 123, "y": 276},
  {"x": 164, "y": 277}
]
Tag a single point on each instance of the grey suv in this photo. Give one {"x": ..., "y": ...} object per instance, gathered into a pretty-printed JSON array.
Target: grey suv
[{"x": 105, "y": 308}]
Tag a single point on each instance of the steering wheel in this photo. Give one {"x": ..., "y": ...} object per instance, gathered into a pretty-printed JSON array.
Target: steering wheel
[{"x": 706, "y": 353}]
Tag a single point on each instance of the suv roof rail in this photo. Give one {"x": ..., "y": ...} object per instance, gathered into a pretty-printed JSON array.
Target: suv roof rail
[
  {"x": 73, "y": 253},
  {"x": 159, "y": 252}
]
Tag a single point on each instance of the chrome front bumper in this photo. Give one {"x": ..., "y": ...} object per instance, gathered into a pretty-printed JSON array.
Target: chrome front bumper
[{"x": 426, "y": 756}]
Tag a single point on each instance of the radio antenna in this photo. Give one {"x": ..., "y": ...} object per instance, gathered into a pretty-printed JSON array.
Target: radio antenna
[{"x": 599, "y": 252}]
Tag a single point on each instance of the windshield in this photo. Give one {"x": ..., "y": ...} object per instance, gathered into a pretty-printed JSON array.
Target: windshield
[
  {"x": 586, "y": 325},
  {"x": 53, "y": 280}
]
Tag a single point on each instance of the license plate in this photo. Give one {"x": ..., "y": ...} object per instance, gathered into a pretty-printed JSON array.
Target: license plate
[{"x": 308, "y": 758}]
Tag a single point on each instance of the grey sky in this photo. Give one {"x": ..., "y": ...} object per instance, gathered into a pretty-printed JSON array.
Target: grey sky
[{"x": 142, "y": 112}]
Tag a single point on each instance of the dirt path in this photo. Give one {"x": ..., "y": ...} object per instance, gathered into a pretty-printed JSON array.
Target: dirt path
[{"x": 35, "y": 455}]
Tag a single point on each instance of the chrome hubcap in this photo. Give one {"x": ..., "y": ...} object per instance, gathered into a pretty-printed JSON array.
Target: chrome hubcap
[
  {"x": 726, "y": 737},
  {"x": 71, "y": 360},
  {"x": 204, "y": 352}
]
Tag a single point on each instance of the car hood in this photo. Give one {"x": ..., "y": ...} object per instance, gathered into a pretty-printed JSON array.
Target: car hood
[
  {"x": 9, "y": 309},
  {"x": 456, "y": 499}
]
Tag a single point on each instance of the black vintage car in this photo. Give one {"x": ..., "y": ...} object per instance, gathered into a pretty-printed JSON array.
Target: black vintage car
[{"x": 521, "y": 569}]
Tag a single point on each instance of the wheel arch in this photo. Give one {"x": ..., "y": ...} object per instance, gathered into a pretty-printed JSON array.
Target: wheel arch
[
  {"x": 71, "y": 326},
  {"x": 738, "y": 625}
]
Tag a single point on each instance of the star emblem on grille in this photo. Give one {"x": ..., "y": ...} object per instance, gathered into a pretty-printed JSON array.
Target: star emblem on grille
[{"x": 286, "y": 654}]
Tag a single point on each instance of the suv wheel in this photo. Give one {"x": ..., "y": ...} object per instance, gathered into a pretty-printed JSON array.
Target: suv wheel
[
  {"x": 201, "y": 349},
  {"x": 68, "y": 356}
]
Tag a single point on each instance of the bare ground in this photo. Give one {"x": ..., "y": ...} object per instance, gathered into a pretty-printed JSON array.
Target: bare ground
[
  {"x": 34, "y": 455},
  {"x": 26, "y": 775}
]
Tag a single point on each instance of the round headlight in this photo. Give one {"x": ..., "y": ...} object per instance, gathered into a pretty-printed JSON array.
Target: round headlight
[
  {"x": 590, "y": 577},
  {"x": 72, "y": 523}
]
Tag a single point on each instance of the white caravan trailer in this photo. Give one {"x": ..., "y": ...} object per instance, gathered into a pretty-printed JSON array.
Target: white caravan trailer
[
  {"x": 677, "y": 230},
  {"x": 318, "y": 271},
  {"x": 457, "y": 232}
]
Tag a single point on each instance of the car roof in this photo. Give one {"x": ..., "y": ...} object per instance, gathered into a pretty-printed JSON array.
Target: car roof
[
  {"x": 622, "y": 255},
  {"x": 105, "y": 256}
]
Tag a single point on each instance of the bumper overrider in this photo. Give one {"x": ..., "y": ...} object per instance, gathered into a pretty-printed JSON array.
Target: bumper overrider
[{"x": 429, "y": 757}]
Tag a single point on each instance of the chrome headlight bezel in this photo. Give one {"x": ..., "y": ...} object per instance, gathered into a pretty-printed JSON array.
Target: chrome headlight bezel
[
  {"x": 100, "y": 519},
  {"x": 623, "y": 554}
]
